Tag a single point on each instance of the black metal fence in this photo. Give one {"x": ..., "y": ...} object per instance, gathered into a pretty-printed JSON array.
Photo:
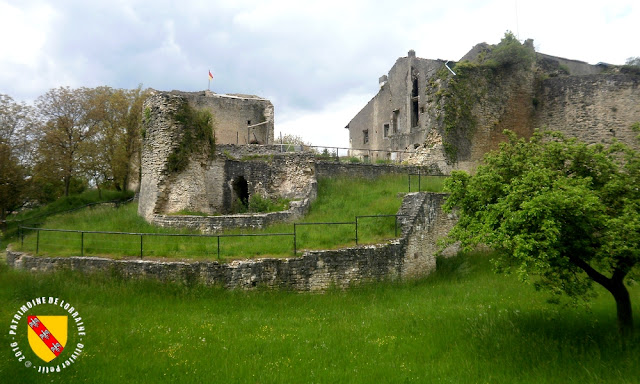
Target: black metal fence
[
  {"x": 418, "y": 182},
  {"x": 11, "y": 228},
  {"x": 197, "y": 242}
]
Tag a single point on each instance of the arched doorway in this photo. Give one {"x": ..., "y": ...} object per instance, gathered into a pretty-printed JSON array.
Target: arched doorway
[{"x": 241, "y": 190}]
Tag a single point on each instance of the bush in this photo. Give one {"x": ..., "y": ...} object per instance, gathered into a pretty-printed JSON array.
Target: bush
[
  {"x": 510, "y": 53},
  {"x": 259, "y": 204}
]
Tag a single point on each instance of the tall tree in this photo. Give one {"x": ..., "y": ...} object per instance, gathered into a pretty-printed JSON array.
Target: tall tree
[
  {"x": 117, "y": 115},
  {"x": 66, "y": 131},
  {"x": 17, "y": 124},
  {"x": 12, "y": 181},
  {"x": 15, "y": 153},
  {"x": 559, "y": 209}
]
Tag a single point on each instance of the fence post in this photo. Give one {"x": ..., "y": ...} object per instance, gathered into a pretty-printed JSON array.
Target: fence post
[
  {"x": 409, "y": 174},
  {"x": 294, "y": 240},
  {"x": 218, "y": 246},
  {"x": 356, "y": 230},
  {"x": 81, "y": 243},
  {"x": 37, "y": 241},
  {"x": 419, "y": 177},
  {"x": 21, "y": 236},
  {"x": 141, "y": 246}
]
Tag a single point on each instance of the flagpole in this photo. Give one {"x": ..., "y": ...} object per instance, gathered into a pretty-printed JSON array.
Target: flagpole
[{"x": 209, "y": 86}]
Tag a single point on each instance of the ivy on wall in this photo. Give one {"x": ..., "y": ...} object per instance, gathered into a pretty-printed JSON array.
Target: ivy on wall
[
  {"x": 197, "y": 136},
  {"x": 470, "y": 85}
]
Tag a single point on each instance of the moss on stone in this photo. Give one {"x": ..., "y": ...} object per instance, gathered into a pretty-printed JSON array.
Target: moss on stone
[{"x": 197, "y": 136}]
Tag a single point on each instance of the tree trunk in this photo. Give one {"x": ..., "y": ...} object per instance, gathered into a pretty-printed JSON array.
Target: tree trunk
[
  {"x": 67, "y": 184},
  {"x": 623, "y": 305},
  {"x": 615, "y": 285}
]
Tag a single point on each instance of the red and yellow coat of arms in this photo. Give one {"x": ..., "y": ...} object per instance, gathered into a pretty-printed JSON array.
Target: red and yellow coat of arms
[{"x": 47, "y": 335}]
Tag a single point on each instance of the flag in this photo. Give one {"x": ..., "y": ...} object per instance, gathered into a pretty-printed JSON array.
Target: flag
[{"x": 210, "y": 76}]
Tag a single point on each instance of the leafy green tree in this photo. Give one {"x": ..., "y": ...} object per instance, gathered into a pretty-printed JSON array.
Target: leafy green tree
[
  {"x": 559, "y": 209},
  {"x": 16, "y": 125},
  {"x": 117, "y": 114},
  {"x": 12, "y": 181},
  {"x": 66, "y": 131}
]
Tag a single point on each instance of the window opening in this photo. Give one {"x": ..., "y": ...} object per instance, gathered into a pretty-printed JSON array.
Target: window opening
[
  {"x": 365, "y": 133},
  {"x": 415, "y": 119},
  {"x": 394, "y": 121}
]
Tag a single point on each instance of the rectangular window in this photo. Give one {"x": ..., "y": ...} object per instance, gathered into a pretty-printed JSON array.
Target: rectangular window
[
  {"x": 394, "y": 121},
  {"x": 386, "y": 130},
  {"x": 365, "y": 135}
]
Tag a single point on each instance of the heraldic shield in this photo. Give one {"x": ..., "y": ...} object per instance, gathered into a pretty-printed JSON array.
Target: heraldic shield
[{"x": 47, "y": 335}]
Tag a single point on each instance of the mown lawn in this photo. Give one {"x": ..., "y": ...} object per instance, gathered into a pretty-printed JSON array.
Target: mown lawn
[
  {"x": 339, "y": 200},
  {"x": 464, "y": 324}
]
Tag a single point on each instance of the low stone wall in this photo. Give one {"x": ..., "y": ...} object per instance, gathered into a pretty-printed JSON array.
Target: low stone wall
[
  {"x": 215, "y": 224},
  {"x": 410, "y": 256},
  {"x": 326, "y": 168}
]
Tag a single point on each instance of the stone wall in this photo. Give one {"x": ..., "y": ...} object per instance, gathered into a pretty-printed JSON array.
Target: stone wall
[
  {"x": 390, "y": 119},
  {"x": 235, "y": 116},
  {"x": 211, "y": 184},
  {"x": 410, "y": 256},
  {"x": 217, "y": 224},
  {"x": 370, "y": 171},
  {"x": 462, "y": 117},
  {"x": 593, "y": 108}
]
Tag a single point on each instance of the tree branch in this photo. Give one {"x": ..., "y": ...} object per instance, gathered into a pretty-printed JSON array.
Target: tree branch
[{"x": 591, "y": 272}]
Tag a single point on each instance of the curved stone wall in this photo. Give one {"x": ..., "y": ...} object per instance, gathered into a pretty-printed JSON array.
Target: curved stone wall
[{"x": 410, "y": 256}]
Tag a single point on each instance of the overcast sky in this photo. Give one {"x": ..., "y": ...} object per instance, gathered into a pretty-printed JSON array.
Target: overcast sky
[{"x": 317, "y": 61}]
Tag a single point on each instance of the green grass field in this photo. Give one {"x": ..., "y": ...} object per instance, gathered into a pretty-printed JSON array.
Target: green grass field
[
  {"x": 464, "y": 324},
  {"x": 339, "y": 200}
]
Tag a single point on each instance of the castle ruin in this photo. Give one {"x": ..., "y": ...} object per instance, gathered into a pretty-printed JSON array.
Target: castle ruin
[{"x": 450, "y": 119}]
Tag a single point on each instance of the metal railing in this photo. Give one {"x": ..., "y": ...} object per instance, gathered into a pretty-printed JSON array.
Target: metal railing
[
  {"x": 345, "y": 154},
  {"x": 218, "y": 237}
]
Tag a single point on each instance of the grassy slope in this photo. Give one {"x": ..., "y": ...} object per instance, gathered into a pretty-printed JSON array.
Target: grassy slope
[
  {"x": 462, "y": 325},
  {"x": 339, "y": 200}
]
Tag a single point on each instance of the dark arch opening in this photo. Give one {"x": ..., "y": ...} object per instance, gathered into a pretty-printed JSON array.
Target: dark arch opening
[{"x": 241, "y": 190}]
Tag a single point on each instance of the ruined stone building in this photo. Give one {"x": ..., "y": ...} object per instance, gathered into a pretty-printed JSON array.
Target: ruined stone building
[
  {"x": 451, "y": 120},
  {"x": 394, "y": 120},
  {"x": 211, "y": 179},
  {"x": 239, "y": 119}
]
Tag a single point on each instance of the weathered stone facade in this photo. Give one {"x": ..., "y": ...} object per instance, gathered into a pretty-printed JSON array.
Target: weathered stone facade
[
  {"x": 239, "y": 119},
  {"x": 594, "y": 103},
  {"x": 212, "y": 184},
  {"x": 410, "y": 256},
  {"x": 394, "y": 119}
]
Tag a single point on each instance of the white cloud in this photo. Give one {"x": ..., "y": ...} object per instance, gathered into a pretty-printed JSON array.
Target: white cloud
[
  {"x": 324, "y": 127},
  {"x": 317, "y": 60}
]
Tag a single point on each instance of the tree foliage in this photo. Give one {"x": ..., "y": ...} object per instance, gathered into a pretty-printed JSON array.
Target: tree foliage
[
  {"x": 635, "y": 61},
  {"x": 558, "y": 209},
  {"x": 16, "y": 154},
  {"x": 65, "y": 133},
  {"x": 510, "y": 53},
  {"x": 117, "y": 114}
]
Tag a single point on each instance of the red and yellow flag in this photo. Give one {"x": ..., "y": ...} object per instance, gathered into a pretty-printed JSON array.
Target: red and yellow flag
[{"x": 210, "y": 76}]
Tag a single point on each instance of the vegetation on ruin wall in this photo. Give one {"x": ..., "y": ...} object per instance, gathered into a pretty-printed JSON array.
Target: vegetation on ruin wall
[
  {"x": 463, "y": 324},
  {"x": 197, "y": 136},
  {"x": 470, "y": 86},
  {"x": 339, "y": 200}
]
